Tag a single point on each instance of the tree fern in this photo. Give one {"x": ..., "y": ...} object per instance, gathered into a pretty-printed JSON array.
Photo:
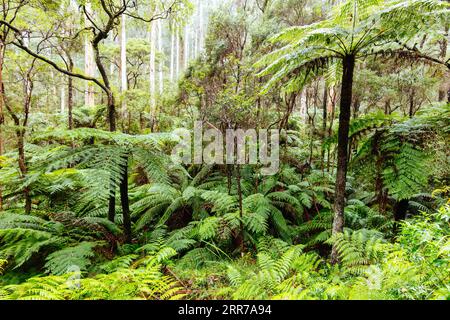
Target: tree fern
[{"x": 79, "y": 256}]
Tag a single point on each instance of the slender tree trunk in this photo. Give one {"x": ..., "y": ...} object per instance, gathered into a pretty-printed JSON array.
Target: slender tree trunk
[
  {"x": 356, "y": 105},
  {"x": 411, "y": 104},
  {"x": 152, "y": 75},
  {"x": 112, "y": 123},
  {"x": 23, "y": 168},
  {"x": 313, "y": 126},
  {"x": 2, "y": 117},
  {"x": 344, "y": 124},
  {"x": 444, "y": 89},
  {"x": 387, "y": 107},
  {"x": 241, "y": 213},
  {"x": 123, "y": 66},
  {"x": 172, "y": 56},
  {"x": 330, "y": 129},
  {"x": 324, "y": 122},
  {"x": 89, "y": 95},
  {"x": 70, "y": 96},
  {"x": 161, "y": 62},
  {"x": 186, "y": 46},
  {"x": 177, "y": 54},
  {"x": 63, "y": 100},
  {"x": 112, "y": 199},
  {"x": 125, "y": 202},
  {"x": 28, "y": 91}
]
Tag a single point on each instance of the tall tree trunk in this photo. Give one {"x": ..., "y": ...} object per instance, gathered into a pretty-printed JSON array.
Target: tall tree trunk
[
  {"x": 324, "y": 122},
  {"x": 387, "y": 107},
  {"x": 330, "y": 128},
  {"x": 2, "y": 117},
  {"x": 23, "y": 167},
  {"x": 161, "y": 62},
  {"x": 124, "y": 201},
  {"x": 28, "y": 92},
  {"x": 62, "y": 108},
  {"x": 111, "y": 120},
  {"x": 241, "y": 213},
  {"x": 70, "y": 96},
  {"x": 201, "y": 31},
  {"x": 112, "y": 199},
  {"x": 152, "y": 75},
  {"x": 172, "y": 56},
  {"x": 411, "y": 103},
  {"x": 89, "y": 95},
  {"x": 444, "y": 89},
  {"x": 123, "y": 66},
  {"x": 186, "y": 46},
  {"x": 177, "y": 54},
  {"x": 356, "y": 105},
  {"x": 313, "y": 125},
  {"x": 344, "y": 124}
]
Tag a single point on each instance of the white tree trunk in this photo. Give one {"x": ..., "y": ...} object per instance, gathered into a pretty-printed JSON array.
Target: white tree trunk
[
  {"x": 172, "y": 56},
  {"x": 177, "y": 60},
  {"x": 63, "y": 100},
  {"x": 186, "y": 46},
  {"x": 201, "y": 33},
  {"x": 196, "y": 24},
  {"x": 89, "y": 98},
  {"x": 161, "y": 62},
  {"x": 152, "y": 68},
  {"x": 123, "y": 62}
]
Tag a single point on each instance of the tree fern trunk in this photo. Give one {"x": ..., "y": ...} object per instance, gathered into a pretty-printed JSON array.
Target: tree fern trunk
[
  {"x": 400, "y": 210},
  {"x": 324, "y": 122},
  {"x": 124, "y": 201},
  {"x": 241, "y": 213},
  {"x": 23, "y": 168},
  {"x": 342, "y": 159}
]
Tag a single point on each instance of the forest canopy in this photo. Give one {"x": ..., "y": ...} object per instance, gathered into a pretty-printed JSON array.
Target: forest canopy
[{"x": 314, "y": 157}]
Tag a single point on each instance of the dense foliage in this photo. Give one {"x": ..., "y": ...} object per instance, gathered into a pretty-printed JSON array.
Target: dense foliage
[{"x": 92, "y": 205}]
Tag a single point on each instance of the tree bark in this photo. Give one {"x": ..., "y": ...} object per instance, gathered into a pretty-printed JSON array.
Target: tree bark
[
  {"x": 23, "y": 168},
  {"x": 172, "y": 56},
  {"x": 411, "y": 103},
  {"x": 70, "y": 97},
  {"x": 330, "y": 127},
  {"x": 344, "y": 124},
  {"x": 123, "y": 66},
  {"x": 89, "y": 95},
  {"x": 2, "y": 117},
  {"x": 125, "y": 202},
  {"x": 241, "y": 213},
  {"x": 324, "y": 122},
  {"x": 152, "y": 74},
  {"x": 111, "y": 114},
  {"x": 400, "y": 210}
]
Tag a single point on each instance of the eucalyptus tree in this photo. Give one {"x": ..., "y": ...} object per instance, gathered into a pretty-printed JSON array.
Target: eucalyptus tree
[{"x": 354, "y": 30}]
